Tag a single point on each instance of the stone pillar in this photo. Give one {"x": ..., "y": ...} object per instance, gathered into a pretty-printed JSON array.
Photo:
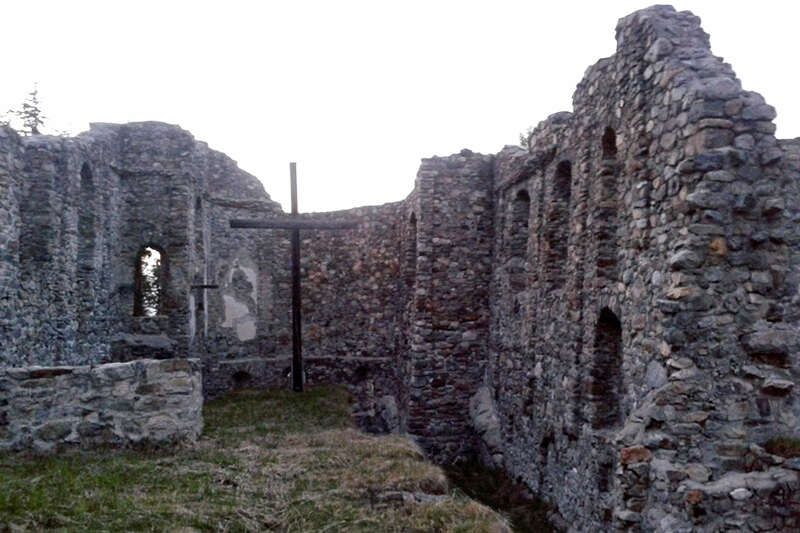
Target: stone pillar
[{"x": 450, "y": 314}]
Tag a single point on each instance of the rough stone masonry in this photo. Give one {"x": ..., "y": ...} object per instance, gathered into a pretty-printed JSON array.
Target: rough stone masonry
[{"x": 610, "y": 314}]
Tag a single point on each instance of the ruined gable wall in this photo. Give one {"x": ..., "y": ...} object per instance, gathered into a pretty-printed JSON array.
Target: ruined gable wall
[{"x": 661, "y": 234}]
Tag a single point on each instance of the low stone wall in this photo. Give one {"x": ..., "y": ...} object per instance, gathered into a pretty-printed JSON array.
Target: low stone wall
[{"x": 144, "y": 402}]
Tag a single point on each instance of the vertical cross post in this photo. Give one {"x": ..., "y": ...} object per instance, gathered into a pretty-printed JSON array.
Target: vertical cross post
[
  {"x": 294, "y": 223},
  {"x": 297, "y": 357}
]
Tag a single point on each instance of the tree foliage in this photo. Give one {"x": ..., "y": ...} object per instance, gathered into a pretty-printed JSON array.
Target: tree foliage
[
  {"x": 525, "y": 138},
  {"x": 29, "y": 118}
]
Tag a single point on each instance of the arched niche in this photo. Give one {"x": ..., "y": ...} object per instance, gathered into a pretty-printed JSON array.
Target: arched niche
[{"x": 606, "y": 372}]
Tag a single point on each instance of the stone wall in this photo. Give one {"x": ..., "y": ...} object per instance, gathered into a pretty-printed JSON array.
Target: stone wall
[
  {"x": 610, "y": 314},
  {"x": 79, "y": 213},
  {"x": 10, "y": 169},
  {"x": 353, "y": 304},
  {"x": 140, "y": 403},
  {"x": 640, "y": 332},
  {"x": 449, "y": 312}
]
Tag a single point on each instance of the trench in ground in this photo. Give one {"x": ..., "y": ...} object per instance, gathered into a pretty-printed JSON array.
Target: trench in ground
[{"x": 496, "y": 489}]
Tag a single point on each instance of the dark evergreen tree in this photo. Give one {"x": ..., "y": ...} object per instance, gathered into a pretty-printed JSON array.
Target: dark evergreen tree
[{"x": 29, "y": 116}]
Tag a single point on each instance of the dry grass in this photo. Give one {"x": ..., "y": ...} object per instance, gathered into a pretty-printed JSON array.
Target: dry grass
[{"x": 268, "y": 461}]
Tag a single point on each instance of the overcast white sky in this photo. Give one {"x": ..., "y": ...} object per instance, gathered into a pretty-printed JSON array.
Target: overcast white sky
[{"x": 355, "y": 92}]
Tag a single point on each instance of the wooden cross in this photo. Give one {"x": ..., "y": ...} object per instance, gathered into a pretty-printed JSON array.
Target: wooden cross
[{"x": 294, "y": 223}]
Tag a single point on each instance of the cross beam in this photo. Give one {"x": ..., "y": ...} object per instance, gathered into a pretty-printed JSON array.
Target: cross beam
[{"x": 294, "y": 224}]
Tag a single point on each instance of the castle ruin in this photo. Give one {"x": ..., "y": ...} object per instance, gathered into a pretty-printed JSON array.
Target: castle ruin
[{"x": 610, "y": 315}]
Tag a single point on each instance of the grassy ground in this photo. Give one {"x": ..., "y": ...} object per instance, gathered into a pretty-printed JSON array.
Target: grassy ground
[{"x": 268, "y": 461}]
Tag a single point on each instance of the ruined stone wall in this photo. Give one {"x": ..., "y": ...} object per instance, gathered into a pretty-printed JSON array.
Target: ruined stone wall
[
  {"x": 53, "y": 267},
  {"x": 249, "y": 314},
  {"x": 10, "y": 167},
  {"x": 355, "y": 298},
  {"x": 641, "y": 339},
  {"x": 400, "y": 305},
  {"x": 81, "y": 211},
  {"x": 157, "y": 199},
  {"x": 449, "y": 315},
  {"x": 145, "y": 402},
  {"x": 610, "y": 315},
  {"x": 248, "y": 265},
  {"x": 245, "y": 322}
]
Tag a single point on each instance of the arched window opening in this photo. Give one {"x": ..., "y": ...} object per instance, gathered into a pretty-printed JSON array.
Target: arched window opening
[
  {"x": 562, "y": 188},
  {"x": 86, "y": 221},
  {"x": 558, "y": 223},
  {"x": 87, "y": 179},
  {"x": 609, "y": 144},
  {"x": 150, "y": 286},
  {"x": 606, "y": 384},
  {"x": 411, "y": 251},
  {"x": 606, "y": 215},
  {"x": 520, "y": 214},
  {"x": 86, "y": 249}
]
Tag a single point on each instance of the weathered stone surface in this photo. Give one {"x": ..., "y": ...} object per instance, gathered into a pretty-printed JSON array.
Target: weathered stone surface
[
  {"x": 684, "y": 259},
  {"x": 635, "y": 454},
  {"x": 484, "y": 417},
  {"x": 758, "y": 482},
  {"x": 771, "y": 341},
  {"x": 778, "y": 386},
  {"x": 389, "y": 414}
]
